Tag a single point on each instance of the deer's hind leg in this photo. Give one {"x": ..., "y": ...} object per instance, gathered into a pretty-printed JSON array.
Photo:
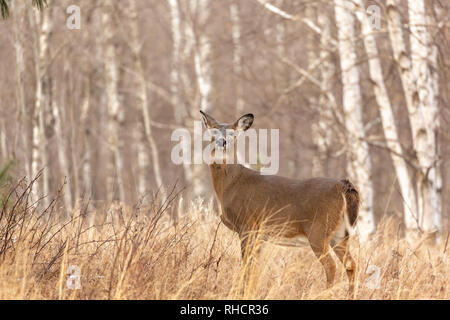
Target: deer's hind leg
[
  {"x": 321, "y": 248},
  {"x": 341, "y": 248}
]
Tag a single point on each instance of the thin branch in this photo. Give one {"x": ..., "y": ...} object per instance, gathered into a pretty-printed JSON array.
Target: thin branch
[{"x": 291, "y": 17}]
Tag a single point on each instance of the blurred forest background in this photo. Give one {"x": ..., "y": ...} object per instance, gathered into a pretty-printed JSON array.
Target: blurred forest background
[{"x": 95, "y": 107}]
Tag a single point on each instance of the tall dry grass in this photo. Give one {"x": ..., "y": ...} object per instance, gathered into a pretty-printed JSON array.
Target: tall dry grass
[{"x": 138, "y": 253}]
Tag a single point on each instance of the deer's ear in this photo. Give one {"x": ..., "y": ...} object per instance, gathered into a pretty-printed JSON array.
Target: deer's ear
[
  {"x": 208, "y": 121},
  {"x": 244, "y": 122}
]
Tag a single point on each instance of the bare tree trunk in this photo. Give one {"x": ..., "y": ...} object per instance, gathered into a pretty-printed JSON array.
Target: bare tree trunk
[
  {"x": 436, "y": 14},
  {"x": 85, "y": 188},
  {"x": 424, "y": 60},
  {"x": 62, "y": 154},
  {"x": 143, "y": 161},
  {"x": 202, "y": 56},
  {"x": 203, "y": 70},
  {"x": 322, "y": 134},
  {"x": 404, "y": 66},
  {"x": 87, "y": 169},
  {"x": 114, "y": 108},
  {"x": 86, "y": 131},
  {"x": 3, "y": 147},
  {"x": 237, "y": 55},
  {"x": 179, "y": 55},
  {"x": 319, "y": 128},
  {"x": 73, "y": 141},
  {"x": 197, "y": 39},
  {"x": 20, "y": 68},
  {"x": 282, "y": 82},
  {"x": 416, "y": 88},
  {"x": 39, "y": 142},
  {"x": 387, "y": 118},
  {"x": 359, "y": 163},
  {"x": 145, "y": 112},
  {"x": 175, "y": 74}
]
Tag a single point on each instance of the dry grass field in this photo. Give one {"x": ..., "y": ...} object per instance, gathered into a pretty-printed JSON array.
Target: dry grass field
[{"x": 136, "y": 253}]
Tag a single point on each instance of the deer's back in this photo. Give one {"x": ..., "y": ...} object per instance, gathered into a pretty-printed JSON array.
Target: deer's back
[{"x": 287, "y": 206}]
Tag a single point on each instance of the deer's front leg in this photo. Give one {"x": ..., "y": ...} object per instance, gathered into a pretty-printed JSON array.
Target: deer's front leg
[
  {"x": 250, "y": 246},
  {"x": 322, "y": 252},
  {"x": 250, "y": 250}
]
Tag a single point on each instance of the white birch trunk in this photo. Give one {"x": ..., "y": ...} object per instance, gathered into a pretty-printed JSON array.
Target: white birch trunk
[
  {"x": 72, "y": 141},
  {"x": 202, "y": 56},
  {"x": 387, "y": 117},
  {"x": 423, "y": 58},
  {"x": 409, "y": 87},
  {"x": 422, "y": 132},
  {"x": 432, "y": 18},
  {"x": 280, "y": 33},
  {"x": 114, "y": 109},
  {"x": 316, "y": 102},
  {"x": 17, "y": 8},
  {"x": 197, "y": 174},
  {"x": 283, "y": 81},
  {"x": 3, "y": 147},
  {"x": 145, "y": 112},
  {"x": 359, "y": 164},
  {"x": 62, "y": 155},
  {"x": 237, "y": 55},
  {"x": 86, "y": 169},
  {"x": 41, "y": 21},
  {"x": 327, "y": 69},
  {"x": 182, "y": 43},
  {"x": 175, "y": 73},
  {"x": 143, "y": 161}
]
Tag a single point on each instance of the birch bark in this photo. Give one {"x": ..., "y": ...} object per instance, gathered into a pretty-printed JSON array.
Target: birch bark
[
  {"x": 3, "y": 146},
  {"x": 359, "y": 163},
  {"x": 387, "y": 116},
  {"x": 202, "y": 56},
  {"x": 320, "y": 131},
  {"x": 41, "y": 21},
  {"x": 237, "y": 54},
  {"x": 115, "y": 112},
  {"x": 175, "y": 73},
  {"x": 419, "y": 90},
  {"x": 62, "y": 155},
  {"x": 197, "y": 38},
  {"x": 86, "y": 169},
  {"x": 327, "y": 71},
  {"x": 424, "y": 61},
  {"x": 17, "y": 8},
  {"x": 136, "y": 45},
  {"x": 182, "y": 42}
]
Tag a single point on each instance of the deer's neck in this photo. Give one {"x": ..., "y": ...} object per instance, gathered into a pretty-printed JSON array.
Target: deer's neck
[{"x": 223, "y": 175}]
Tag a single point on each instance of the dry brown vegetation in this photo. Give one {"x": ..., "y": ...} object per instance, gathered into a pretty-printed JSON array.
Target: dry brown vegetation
[{"x": 135, "y": 253}]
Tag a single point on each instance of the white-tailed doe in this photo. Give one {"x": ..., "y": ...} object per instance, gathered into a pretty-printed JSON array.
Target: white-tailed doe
[{"x": 322, "y": 210}]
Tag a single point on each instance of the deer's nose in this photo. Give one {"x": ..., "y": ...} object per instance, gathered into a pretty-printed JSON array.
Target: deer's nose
[{"x": 221, "y": 142}]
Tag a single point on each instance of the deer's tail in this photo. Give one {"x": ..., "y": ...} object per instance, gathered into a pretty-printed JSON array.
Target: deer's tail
[{"x": 353, "y": 201}]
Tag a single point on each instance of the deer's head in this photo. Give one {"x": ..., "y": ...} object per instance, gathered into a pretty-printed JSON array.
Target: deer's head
[{"x": 224, "y": 135}]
